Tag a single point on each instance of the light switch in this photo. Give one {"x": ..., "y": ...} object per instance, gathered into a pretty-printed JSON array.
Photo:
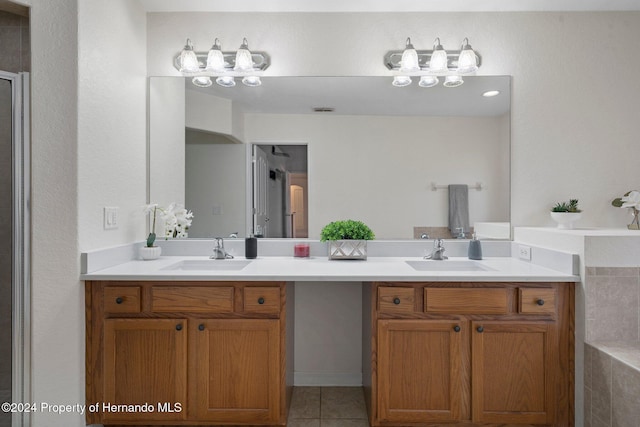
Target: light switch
[{"x": 110, "y": 218}]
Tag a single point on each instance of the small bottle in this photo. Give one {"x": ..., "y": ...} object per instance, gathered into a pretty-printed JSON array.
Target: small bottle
[
  {"x": 250, "y": 247},
  {"x": 475, "y": 249}
]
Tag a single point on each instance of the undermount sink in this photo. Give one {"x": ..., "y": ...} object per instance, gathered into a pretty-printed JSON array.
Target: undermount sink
[
  {"x": 208, "y": 265},
  {"x": 447, "y": 265}
]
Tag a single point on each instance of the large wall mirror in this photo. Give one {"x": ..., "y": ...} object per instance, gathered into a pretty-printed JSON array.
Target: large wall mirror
[{"x": 377, "y": 153}]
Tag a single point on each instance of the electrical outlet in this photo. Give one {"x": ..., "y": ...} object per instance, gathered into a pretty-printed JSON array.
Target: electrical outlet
[
  {"x": 110, "y": 218},
  {"x": 524, "y": 252}
]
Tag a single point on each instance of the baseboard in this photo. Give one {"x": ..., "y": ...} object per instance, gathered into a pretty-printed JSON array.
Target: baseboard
[{"x": 327, "y": 379}]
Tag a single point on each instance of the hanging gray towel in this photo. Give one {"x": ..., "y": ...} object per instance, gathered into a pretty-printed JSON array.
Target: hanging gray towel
[{"x": 458, "y": 208}]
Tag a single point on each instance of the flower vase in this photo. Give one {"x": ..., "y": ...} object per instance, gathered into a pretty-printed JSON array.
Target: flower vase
[{"x": 635, "y": 223}]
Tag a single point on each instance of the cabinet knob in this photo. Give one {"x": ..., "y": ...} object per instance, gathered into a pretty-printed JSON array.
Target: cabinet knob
[
  {"x": 201, "y": 327},
  {"x": 179, "y": 327},
  {"x": 480, "y": 329},
  {"x": 540, "y": 302},
  {"x": 396, "y": 300},
  {"x": 456, "y": 328},
  {"x": 119, "y": 300},
  {"x": 260, "y": 300}
]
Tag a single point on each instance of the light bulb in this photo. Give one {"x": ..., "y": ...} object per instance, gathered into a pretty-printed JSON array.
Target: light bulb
[
  {"x": 202, "y": 81},
  {"x": 188, "y": 59},
  {"x": 401, "y": 81},
  {"x": 226, "y": 81},
  {"x": 452, "y": 81},
  {"x": 467, "y": 62},
  {"x": 428, "y": 81},
  {"x": 438, "y": 61},
  {"x": 244, "y": 62},
  {"x": 252, "y": 81},
  {"x": 215, "y": 59}
]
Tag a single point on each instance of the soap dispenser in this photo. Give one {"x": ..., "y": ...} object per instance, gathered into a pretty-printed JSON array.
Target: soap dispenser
[{"x": 475, "y": 249}]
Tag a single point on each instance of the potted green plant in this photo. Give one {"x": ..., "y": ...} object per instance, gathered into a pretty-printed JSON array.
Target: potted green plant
[
  {"x": 347, "y": 239},
  {"x": 150, "y": 251},
  {"x": 566, "y": 213},
  {"x": 630, "y": 200}
]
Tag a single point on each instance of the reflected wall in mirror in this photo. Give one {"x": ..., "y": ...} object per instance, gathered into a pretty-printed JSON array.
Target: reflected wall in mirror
[{"x": 373, "y": 158}]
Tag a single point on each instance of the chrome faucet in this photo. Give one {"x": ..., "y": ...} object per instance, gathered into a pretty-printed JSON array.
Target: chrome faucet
[
  {"x": 461, "y": 234},
  {"x": 438, "y": 251},
  {"x": 219, "y": 252}
]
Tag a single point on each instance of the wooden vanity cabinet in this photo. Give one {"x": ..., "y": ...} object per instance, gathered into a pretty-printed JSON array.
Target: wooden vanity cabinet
[
  {"x": 195, "y": 353},
  {"x": 469, "y": 353}
]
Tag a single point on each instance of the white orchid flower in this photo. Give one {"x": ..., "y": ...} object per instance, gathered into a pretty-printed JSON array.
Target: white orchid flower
[{"x": 632, "y": 200}]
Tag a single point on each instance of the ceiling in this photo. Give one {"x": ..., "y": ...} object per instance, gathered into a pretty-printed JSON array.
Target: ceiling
[
  {"x": 367, "y": 96},
  {"x": 386, "y": 5}
]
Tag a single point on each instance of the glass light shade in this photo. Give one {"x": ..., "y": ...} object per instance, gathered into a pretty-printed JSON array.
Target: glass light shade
[
  {"x": 438, "y": 61},
  {"x": 409, "y": 61},
  {"x": 252, "y": 81},
  {"x": 202, "y": 81},
  {"x": 401, "y": 81},
  {"x": 428, "y": 81},
  {"x": 215, "y": 59},
  {"x": 243, "y": 58},
  {"x": 188, "y": 59},
  {"x": 226, "y": 81},
  {"x": 467, "y": 62},
  {"x": 452, "y": 81}
]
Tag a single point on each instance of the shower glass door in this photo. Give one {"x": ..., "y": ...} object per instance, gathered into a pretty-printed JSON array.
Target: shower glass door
[{"x": 14, "y": 244}]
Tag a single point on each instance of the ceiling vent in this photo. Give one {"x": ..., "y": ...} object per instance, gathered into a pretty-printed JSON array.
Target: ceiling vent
[{"x": 323, "y": 109}]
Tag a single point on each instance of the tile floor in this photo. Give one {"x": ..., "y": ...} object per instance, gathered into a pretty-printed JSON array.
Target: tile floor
[{"x": 327, "y": 407}]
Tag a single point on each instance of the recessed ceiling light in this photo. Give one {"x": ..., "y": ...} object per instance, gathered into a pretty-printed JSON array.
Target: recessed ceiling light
[{"x": 490, "y": 93}]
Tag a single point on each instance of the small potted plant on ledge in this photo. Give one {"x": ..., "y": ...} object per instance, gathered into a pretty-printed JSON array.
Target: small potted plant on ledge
[
  {"x": 347, "y": 239},
  {"x": 566, "y": 213},
  {"x": 150, "y": 251}
]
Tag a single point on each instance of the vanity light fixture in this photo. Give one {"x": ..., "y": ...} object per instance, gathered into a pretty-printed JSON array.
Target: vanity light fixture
[
  {"x": 224, "y": 66},
  {"x": 429, "y": 65}
]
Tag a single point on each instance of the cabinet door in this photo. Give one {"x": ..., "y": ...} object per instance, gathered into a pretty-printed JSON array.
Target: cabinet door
[
  {"x": 515, "y": 372},
  {"x": 236, "y": 375},
  {"x": 421, "y": 374},
  {"x": 145, "y": 363}
]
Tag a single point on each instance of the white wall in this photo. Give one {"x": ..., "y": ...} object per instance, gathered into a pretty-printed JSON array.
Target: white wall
[
  {"x": 88, "y": 150},
  {"x": 166, "y": 142},
  {"x": 359, "y": 168},
  {"x": 57, "y": 326},
  {"x": 573, "y": 126},
  {"x": 112, "y": 90},
  {"x": 216, "y": 177},
  {"x": 208, "y": 113}
]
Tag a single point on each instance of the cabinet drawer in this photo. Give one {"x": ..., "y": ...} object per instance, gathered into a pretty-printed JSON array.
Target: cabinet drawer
[
  {"x": 217, "y": 299},
  {"x": 537, "y": 300},
  {"x": 121, "y": 299},
  {"x": 396, "y": 300},
  {"x": 466, "y": 300},
  {"x": 262, "y": 300}
]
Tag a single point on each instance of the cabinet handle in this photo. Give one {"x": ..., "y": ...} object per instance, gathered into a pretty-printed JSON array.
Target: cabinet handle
[
  {"x": 119, "y": 300},
  {"x": 540, "y": 302},
  {"x": 396, "y": 300},
  {"x": 179, "y": 327},
  {"x": 480, "y": 329},
  {"x": 201, "y": 327},
  {"x": 456, "y": 328},
  {"x": 260, "y": 300}
]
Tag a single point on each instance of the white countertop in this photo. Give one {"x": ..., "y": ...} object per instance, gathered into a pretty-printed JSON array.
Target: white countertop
[{"x": 502, "y": 269}]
